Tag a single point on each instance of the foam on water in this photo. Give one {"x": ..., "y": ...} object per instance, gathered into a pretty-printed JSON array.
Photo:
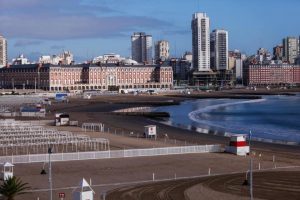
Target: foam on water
[
  {"x": 262, "y": 132},
  {"x": 194, "y": 115},
  {"x": 272, "y": 119}
]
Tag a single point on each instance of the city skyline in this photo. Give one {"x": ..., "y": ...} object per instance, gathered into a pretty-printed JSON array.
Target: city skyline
[{"x": 90, "y": 28}]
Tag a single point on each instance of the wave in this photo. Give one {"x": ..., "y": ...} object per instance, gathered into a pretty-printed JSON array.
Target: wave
[
  {"x": 194, "y": 115},
  {"x": 261, "y": 132}
]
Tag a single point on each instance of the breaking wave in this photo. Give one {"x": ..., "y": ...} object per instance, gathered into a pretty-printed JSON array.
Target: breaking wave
[
  {"x": 262, "y": 132},
  {"x": 195, "y": 114}
]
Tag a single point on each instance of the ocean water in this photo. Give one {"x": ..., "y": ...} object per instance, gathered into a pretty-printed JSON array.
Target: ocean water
[{"x": 271, "y": 119}]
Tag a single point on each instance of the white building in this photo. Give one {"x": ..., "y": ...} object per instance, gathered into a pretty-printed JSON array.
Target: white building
[
  {"x": 141, "y": 47},
  {"x": 112, "y": 58},
  {"x": 21, "y": 60},
  {"x": 162, "y": 50},
  {"x": 219, "y": 50},
  {"x": 108, "y": 58},
  {"x": 3, "y": 51},
  {"x": 188, "y": 56},
  {"x": 201, "y": 42},
  {"x": 65, "y": 58},
  {"x": 239, "y": 68},
  {"x": 290, "y": 49}
]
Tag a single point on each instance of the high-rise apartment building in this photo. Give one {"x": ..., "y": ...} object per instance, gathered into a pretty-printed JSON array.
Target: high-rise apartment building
[
  {"x": 162, "y": 50},
  {"x": 3, "y": 51},
  {"x": 235, "y": 62},
  {"x": 290, "y": 49},
  {"x": 219, "y": 50},
  {"x": 201, "y": 42},
  {"x": 141, "y": 47},
  {"x": 278, "y": 52}
]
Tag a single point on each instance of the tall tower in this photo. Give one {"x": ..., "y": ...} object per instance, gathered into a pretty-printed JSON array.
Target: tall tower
[
  {"x": 162, "y": 50},
  {"x": 290, "y": 49},
  {"x": 141, "y": 47},
  {"x": 219, "y": 50},
  {"x": 201, "y": 42},
  {"x": 3, "y": 51}
]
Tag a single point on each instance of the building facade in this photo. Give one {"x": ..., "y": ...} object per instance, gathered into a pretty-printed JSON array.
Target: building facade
[
  {"x": 290, "y": 49},
  {"x": 85, "y": 77},
  {"x": 201, "y": 42},
  {"x": 3, "y": 51},
  {"x": 219, "y": 50},
  {"x": 20, "y": 60},
  {"x": 141, "y": 47},
  {"x": 278, "y": 52},
  {"x": 264, "y": 75},
  {"x": 297, "y": 60},
  {"x": 112, "y": 58},
  {"x": 162, "y": 50},
  {"x": 65, "y": 58}
]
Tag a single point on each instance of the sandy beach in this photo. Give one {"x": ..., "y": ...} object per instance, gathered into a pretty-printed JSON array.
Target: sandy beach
[{"x": 118, "y": 178}]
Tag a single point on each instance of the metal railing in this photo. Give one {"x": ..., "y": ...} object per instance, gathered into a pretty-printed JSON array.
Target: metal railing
[{"x": 55, "y": 157}]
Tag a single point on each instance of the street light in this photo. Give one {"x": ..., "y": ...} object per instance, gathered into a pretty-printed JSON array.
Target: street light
[
  {"x": 251, "y": 167},
  {"x": 50, "y": 173}
]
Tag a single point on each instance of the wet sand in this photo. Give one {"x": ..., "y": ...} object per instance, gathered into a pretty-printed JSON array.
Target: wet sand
[{"x": 107, "y": 172}]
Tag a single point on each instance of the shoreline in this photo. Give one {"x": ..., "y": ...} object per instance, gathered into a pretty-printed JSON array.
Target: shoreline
[
  {"x": 228, "y": 134},
  {"x": 98, "y": 109},
  {"x": 216, "y": 130},
  {"x": 114, "y": 171}
]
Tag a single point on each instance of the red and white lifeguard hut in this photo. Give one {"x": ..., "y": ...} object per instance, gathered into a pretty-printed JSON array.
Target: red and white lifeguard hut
[{"x": 238, "y": 145}]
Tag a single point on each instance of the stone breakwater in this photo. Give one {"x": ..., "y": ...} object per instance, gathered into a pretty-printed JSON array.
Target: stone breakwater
[
  {"x": 141, "y": 111},
  {"x": 134, "y": 109}
]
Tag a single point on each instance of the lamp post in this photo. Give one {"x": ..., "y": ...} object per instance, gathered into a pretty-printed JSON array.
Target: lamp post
[
  {"x": 251, "y": 167},
  {"x": 34, "y": 84},
  {"x": 13, "y": 83},
  {"x": 50, "y": 173}
]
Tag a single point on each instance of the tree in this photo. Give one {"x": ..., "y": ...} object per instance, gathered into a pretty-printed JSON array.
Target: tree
[{"x": 13, "y": 187}]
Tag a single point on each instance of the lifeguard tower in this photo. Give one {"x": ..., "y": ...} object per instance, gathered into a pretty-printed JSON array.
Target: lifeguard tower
[
  {"x": 238, "y": 145},
  {"x": 8, "y": 171},
  {"x": 150, "y": 131},
  {"x": 84, "y": 191}
]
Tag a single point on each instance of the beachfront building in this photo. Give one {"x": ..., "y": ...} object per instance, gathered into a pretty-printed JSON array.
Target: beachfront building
[
  {"x": 290, "y": 49},
  {"x": 141, "y": 47},
  {"x": 86, "y": 77},
  {"x": 266, "y": 75},
  {"x": 20, "y": 60},
  {"x": 219, "y": 50},
  {"x": 202, "y": 74},
  {"x": 112, "y": 58},
  {"x": 65, "y": 58},
  {"x": 235, "y": 63},
  {"x": 162, "y": 50},
  {"x": 3, "y": 51},
  {"x": 278, "y": 52},
  {"x": 201, "y": 42}
]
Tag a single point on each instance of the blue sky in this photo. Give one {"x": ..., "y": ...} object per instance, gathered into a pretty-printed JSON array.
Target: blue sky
[{"x": 90, "y": 28}]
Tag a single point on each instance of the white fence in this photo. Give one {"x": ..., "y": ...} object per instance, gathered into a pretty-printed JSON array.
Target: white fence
[
  {"x": 16, "y": 100},
  {"x": 55, "y": 157}
]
